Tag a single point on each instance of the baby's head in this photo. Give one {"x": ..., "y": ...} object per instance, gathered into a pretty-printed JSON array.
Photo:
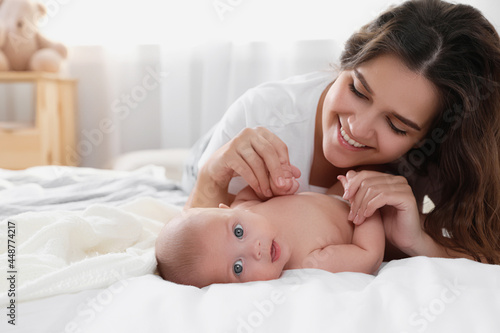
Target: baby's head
[
  {"x": 202, "y": 246},
  {"x": 178, "y": 250}
]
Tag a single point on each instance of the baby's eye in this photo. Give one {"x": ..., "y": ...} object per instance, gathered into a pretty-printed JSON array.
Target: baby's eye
[
  {"x": 238, "y": 231},
  {"x": 238, "y": 267}
]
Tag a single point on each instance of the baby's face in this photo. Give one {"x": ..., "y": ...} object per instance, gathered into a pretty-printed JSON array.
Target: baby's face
[{"x": 240, "y": 246}]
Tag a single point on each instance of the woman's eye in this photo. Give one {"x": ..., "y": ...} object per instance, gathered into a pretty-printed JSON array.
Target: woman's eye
[
  {"x": 238, "y": 267},
  {"x": 238, "y": 231},
  {"x": 394, "y": 128},
  {"x": 356, "y": 91}
]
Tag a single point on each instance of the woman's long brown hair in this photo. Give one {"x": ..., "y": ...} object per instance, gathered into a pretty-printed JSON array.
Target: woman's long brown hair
[{"x": 455, "y": 47}]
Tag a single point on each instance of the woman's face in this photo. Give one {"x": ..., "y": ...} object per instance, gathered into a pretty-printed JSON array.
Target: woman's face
[{"x": 376, "y": 112}]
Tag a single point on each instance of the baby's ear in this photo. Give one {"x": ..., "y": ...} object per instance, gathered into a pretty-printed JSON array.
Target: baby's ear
[{"x": 221, "y": 205}]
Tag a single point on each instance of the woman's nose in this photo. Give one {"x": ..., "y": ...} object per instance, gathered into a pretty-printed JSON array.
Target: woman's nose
[{"x": 362, "y": 125}]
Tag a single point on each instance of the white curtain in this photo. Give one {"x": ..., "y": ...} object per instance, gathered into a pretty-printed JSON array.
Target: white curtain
[
  {"x": 158, "y": 74},
  {"x": 150, "y": 97}
]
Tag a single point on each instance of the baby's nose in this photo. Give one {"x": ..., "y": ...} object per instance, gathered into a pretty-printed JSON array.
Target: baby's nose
[{"x": 256, "y": 250}]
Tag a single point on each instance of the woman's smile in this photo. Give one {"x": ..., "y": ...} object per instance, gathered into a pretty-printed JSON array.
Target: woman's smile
[{"x": 347, "y": 141}]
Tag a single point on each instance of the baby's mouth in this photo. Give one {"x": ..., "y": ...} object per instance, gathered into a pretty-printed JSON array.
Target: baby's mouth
[{"x": 275, "y": 251}]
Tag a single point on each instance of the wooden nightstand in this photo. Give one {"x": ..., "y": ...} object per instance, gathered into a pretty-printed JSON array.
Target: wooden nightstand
[{"x": 50, "y": 137}]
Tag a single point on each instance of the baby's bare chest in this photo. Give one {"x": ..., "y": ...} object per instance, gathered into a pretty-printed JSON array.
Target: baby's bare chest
[{"x": 317, "y": 221}]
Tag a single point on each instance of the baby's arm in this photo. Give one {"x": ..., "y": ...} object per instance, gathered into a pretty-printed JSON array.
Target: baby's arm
[{"x": 364, "y": 254}]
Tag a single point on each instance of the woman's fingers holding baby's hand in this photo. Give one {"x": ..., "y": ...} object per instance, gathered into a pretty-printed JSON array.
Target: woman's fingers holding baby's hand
[
  {"x": 369, "y": 190},
  {"x": 398, "y": 195},
  {"x": 254, "y": 165},
  {"x": 227, "y": 162},
  {"x": 379, "y": 196},
  {"x": 290, "y": 183},
  {"x": 260, "y": 157},
  {"x": 354, "y": 182},
  {"x": 274, "y": 153}
]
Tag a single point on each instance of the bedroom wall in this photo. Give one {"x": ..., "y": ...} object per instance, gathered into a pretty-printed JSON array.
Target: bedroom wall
[{"x": 165, "y": 71}]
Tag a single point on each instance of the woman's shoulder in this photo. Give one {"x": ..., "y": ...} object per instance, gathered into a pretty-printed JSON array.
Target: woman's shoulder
[
  {"x": 297, "y": 83},
  {"x": 290, "y": 100}
]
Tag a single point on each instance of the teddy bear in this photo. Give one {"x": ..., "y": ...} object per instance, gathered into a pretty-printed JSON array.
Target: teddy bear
[{"x": 22, "y": 47}]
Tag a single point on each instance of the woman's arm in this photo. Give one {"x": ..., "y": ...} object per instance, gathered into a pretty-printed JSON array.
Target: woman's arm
[
  {"x": 258, "y": 156},
  {"x": 426, "y": 246},
  {"x": 207, "y": 192}
]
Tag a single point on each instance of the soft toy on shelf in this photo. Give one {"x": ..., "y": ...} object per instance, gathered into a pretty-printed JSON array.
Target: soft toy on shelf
[{"x": 22, "y": 47}]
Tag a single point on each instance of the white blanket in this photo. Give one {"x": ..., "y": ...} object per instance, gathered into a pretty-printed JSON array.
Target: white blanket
[
  {"x": 65, "y": 251},
  {"x": 47, "y": 188}
]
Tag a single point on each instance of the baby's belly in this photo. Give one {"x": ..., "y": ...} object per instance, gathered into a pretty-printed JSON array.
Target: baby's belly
[{"x": 331, "y": 224}]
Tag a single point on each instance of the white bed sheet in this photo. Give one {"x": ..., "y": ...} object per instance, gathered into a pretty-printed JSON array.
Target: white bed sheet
[{"x": 50, "y": 314}]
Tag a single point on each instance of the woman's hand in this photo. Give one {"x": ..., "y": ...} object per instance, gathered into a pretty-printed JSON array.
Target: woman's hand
[
  {"x": 371, "y": 190},
  {"x": 260, "y": 157}
]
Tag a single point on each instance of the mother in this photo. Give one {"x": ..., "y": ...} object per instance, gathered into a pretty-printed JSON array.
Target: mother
[{"x": 416, "y": 102}]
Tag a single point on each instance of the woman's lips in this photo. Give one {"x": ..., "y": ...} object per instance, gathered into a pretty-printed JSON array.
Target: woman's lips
[{"x": 275, "y": 251}]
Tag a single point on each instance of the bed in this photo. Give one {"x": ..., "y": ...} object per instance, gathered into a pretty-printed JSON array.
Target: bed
[{"x": 77, "y": 255}]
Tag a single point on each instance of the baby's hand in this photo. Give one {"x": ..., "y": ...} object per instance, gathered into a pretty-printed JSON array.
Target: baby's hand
[{"x": 289, "y": 184}]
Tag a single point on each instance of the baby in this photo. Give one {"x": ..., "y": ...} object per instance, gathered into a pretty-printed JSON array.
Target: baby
[{"x": 255, "y": 240}]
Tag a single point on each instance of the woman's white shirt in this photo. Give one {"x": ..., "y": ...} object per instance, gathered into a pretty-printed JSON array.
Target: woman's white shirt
[{"x": 288, "y": 109}]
